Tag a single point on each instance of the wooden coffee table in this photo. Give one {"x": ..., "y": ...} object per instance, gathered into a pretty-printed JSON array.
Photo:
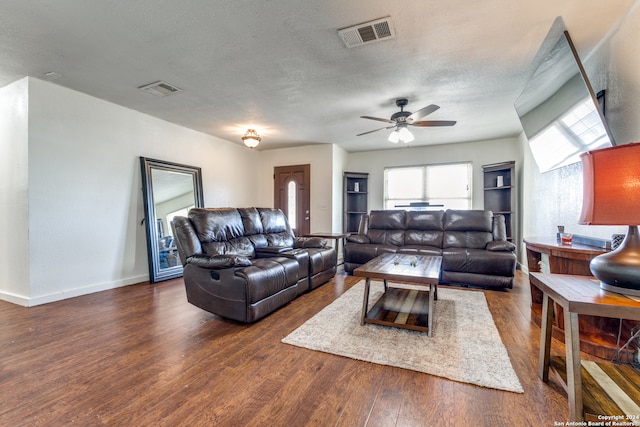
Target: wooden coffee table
[{"x": 400, "y": 307}]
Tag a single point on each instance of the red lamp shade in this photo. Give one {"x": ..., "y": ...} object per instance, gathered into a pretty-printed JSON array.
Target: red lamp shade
[
  {"x": 611, "y": 193},
  {"x": 612, "y": 197}
]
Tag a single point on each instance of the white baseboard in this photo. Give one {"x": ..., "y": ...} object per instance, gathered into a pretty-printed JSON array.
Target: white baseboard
[
  {"x": 14, "y": 299},
  {"x": 523, "y": 268},
  {"x": 70, "y": 293}
]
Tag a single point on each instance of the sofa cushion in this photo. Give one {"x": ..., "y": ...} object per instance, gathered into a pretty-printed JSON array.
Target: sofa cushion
[
  {"x": 420, "y": 250},
  {"x": 499, "y": 228},
  {"x": 240, "y": 246},
  {"x": 483, "y": 280},
  {"x": 471, "y": 220},
  {"x": 386, "y": 237},
  {"x": 466, "y": 239},
  {"x": 358, "y": 238},
  {"x": 310, "y": 242},
  {"x": 219, "y": 261},
  {"x": 186, "y": 238},
  {"x": 320, "y": 260},
  {"x": 467, "y": 229},
  {"x": 423, "y": 237},
  {"x": 424, "y": 220},
  {"x": 251, "y": 220},
  {"x": 500, "y": 245},
  {"x": 479, "y": 261},
  {"x": 387, "y": 220},
  {"x": 273, "y": 220},
  {"x": 277, "y": 231},
  {"x": 363, "y": 253},
  {"x": 216, "y": 224},
  {"x": 268, "y": 276}
]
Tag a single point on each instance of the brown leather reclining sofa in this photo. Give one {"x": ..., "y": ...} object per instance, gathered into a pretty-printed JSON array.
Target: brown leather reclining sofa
[
  {"x": 243, "y": 264},
  {"x": 472, "y": 243}
]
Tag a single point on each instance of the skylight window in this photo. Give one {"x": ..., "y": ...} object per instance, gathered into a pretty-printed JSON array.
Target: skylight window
[{"x": 562, "y": 142}]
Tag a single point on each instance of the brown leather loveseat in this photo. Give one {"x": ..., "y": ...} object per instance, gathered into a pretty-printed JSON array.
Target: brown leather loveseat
[
  {"x": 472, "y": 243},
  {"x": 245, "y": 263}
]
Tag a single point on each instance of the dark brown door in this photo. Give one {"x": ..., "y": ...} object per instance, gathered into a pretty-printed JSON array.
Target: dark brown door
[{"x": 291, "y": 194}]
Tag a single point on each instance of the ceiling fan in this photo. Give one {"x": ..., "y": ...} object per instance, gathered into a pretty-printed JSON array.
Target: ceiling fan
[{"x": 403, "y": 119}]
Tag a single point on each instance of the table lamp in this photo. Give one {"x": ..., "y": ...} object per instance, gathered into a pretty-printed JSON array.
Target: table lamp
[{"x": 611, "y": 196}]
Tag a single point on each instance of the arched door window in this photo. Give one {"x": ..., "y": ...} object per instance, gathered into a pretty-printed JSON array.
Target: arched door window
[{"x": 292, "y": 203}]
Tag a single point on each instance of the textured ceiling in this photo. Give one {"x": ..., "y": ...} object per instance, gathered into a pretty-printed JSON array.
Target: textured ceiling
[{"x": 280, "y": 67}]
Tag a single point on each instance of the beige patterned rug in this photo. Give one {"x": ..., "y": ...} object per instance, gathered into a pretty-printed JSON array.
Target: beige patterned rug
[{"x": 465, "y": 345}]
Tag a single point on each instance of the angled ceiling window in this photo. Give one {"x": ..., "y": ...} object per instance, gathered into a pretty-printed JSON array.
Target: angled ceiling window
[{"x": 575, "y": 132}]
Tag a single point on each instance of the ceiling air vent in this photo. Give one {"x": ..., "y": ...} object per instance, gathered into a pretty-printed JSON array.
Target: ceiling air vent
[
  {"x": 368, "y": 32},
  {"x": 160, "y": 88}
]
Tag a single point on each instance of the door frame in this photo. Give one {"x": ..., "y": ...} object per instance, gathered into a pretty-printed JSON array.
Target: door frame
[{"x": 303, "y": 215}]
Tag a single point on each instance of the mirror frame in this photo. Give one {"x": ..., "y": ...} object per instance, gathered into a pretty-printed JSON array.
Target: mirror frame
[{"x": 156, "y": 274}]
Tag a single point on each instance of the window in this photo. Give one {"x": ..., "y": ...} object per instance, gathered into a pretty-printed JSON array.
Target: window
[
  {"x": 179, "y": 212},
  {"x": 292, "y": 206},
  {"x": 446, "y": 184},
  {"x": 562, "y": 142}
]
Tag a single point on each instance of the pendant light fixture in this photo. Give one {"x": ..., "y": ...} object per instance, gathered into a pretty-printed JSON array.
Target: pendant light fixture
[{"x": 251, "y": 139}]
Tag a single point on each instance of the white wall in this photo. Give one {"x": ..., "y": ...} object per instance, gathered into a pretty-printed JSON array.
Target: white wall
[
  {"x": 614, "y": 67},
  {"x": 320, "y": 158},
  {"x": 14, "y": 213},
  {"x": 84, "y": 194},
  {"x": 555, "y": 198},
  {"x": 479, "y": 153},
  {"x": 340, "y": 161},
  {"x": 70, "y": 188}
]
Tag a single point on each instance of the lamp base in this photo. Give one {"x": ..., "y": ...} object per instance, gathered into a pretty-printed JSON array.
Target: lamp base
[
  {"x": 619, "y": 270},
  {"x": 619, "y": 290}
]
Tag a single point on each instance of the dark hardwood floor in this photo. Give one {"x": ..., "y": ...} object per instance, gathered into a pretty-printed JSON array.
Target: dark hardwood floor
[{"x": 141, "y": 355}]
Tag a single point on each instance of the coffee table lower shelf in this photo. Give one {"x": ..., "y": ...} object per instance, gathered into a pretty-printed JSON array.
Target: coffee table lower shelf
[{"x": 401, "y": 308}]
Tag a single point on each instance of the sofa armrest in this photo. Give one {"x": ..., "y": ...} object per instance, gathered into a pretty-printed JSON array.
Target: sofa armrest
[
  {"x": 499, "y": 228},
  {"x": 269, "y": 251},
  {"x": 310, "y": 242},
  {"x": 218, "y": 262},
  {"x": 358, "y": 238},
  {"x": 500, "y": 245}
]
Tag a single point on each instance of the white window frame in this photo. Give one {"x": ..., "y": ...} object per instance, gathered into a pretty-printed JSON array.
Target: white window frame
[{"x": 456, "y": 202}]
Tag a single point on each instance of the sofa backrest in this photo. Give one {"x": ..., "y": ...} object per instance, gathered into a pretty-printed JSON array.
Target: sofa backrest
[
  {"x": 442, "y": 229},
  {"x": 424, "y": 228},
  {"x": 276, "y": 229},
  {"x": 387, "y": 227},
  {"x": 231, "y": 231},
  {"x": 221, "y": 231},
  {"x": 467, "y": 229},
  {"x": 400, "y": 228}
]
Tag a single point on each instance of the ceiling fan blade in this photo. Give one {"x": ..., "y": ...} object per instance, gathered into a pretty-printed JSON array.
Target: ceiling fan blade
[
  {"x": 376, "y": 130},
  {"x": 422, "y": 113},
  {"x": 378, "y": 119},
  {"x": 425, "y": 123}
]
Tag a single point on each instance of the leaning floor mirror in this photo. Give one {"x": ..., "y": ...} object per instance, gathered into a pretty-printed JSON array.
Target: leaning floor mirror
[{"x": 168, "y": 189}]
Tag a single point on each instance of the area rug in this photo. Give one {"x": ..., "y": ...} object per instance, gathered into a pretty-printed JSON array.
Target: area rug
[{"x": 465, "y": 345}]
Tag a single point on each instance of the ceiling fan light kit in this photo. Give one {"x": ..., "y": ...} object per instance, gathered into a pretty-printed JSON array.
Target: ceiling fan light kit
[
  {"x": 401, "y": 134},
  {"x": 405, "y": 135},
  {"x": 401, "y": 120},
  {"x": 394, "y": 137}
]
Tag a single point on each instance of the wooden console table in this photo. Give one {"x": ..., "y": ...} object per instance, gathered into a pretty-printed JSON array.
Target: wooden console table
[
  {"x": 598, "y": 335},
  {"x": 606, "y": 392}
]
